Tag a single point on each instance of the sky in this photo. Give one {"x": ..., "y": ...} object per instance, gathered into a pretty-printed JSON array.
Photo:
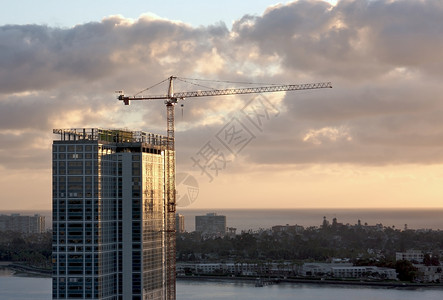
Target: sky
[{"x": 374, "y": 140}]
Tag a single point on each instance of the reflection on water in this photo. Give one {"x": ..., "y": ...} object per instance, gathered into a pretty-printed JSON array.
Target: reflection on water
[
  {"x": 193, "y": 290},
  {"x": 4, "y": 272},
  {"x": 25, "y": 288}
]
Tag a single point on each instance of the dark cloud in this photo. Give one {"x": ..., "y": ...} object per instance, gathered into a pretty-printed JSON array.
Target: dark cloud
[{"x": 354, "y": 39}]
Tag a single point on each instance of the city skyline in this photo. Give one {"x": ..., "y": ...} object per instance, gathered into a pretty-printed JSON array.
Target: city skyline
[{"x": 374, "y": 140}]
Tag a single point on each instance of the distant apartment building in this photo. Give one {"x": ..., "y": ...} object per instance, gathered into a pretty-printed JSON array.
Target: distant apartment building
[
  {"x": 179, "y": 223},
  {"x": 211, "y": 224},
  {"x": 410, "y": 255},
  {"x": 24, "y": 224}
]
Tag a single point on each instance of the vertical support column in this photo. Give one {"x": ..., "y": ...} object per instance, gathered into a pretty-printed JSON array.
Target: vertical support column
[
  {"x": 127, "y": 224},
  {"x": 170, "y": 199}
]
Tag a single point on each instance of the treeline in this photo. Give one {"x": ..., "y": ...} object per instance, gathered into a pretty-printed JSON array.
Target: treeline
[
  {"x": 316, "y": 244},
  {"x": 31, "y": 249}
]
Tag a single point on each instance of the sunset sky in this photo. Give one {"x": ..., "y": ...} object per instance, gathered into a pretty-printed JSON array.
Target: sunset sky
[{"x": 374, "y": 140}]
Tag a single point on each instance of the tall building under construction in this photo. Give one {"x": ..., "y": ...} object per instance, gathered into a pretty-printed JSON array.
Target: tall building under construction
[{"x": 113, "y": 233}]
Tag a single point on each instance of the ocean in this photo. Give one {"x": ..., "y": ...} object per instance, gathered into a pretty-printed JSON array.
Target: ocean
[
  {"x": 245, "y": 219},
  {"x": 254, "y": 219}
]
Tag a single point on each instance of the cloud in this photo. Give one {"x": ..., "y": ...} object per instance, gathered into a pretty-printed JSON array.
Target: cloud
[
  {"x": 353, "y": 39},
  {"x": 332, "y": 134},
  {"x": 383, "y": 58}
]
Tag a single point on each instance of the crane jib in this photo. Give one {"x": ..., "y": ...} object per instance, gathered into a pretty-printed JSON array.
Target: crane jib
[{"x": 233, "y": 91}]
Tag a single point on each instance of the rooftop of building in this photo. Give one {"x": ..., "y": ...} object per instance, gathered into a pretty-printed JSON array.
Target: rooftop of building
[{"x": 109, "y": 136}]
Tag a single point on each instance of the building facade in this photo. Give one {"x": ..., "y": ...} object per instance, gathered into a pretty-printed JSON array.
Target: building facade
[
  {"x": 109, "y": 215},
  {"x": 24, "y": 224},
  {"x": 211, "y": 224},
  {"x": 416, "y": 256},
  {"x": 346, "y": 270}
]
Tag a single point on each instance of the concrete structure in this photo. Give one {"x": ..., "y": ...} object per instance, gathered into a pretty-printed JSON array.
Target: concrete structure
[
  {"x": 179, "y": 223},
  {"x": 415, "y": 256},
  {"x": 109, "y": 215},
  {"x": 211, "y": 224},
  {"x": 24, "y": 224}
]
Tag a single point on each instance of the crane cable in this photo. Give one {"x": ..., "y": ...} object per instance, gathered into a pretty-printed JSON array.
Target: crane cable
[{"x": 146, "y": 89}]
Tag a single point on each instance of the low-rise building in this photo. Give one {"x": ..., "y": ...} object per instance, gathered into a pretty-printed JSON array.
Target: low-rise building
[
  {"x": 288, "y": 228},
  {"x": 319, "y": 269},
  {"x": 415, "y": 256},
  {"x": 238, "y": 269},
  {"x": 429, "y": 273},
  {"x": 364, "y": 272},
  {"x": 244, "y": 269},
  {"x": 346, "y": 270}
]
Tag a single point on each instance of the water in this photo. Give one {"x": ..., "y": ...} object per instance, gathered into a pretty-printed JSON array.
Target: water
[
  {"x": 26, "y": 288},
  {"x": 192, "y": 290},
  {"x": 245, "y": 219}
]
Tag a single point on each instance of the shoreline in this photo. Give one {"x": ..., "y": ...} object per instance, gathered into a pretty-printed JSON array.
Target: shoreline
[
  {"x": 25, "y": 271},
  {"x": 380, "y": 284}
]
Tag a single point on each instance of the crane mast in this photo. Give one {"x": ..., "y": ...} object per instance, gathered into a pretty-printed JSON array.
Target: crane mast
[
  {"x": 170, "y": 195},
  {"x": 171, "y": 99}
]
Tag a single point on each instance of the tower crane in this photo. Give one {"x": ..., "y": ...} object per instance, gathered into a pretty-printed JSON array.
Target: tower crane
[{"x": 171, "y": 99}]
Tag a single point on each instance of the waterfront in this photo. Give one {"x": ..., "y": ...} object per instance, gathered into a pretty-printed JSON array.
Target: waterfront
[{"x": 25, "y": 288}]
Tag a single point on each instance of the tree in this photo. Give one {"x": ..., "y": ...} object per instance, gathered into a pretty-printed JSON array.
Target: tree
[{"x": 406, "y": 270}]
